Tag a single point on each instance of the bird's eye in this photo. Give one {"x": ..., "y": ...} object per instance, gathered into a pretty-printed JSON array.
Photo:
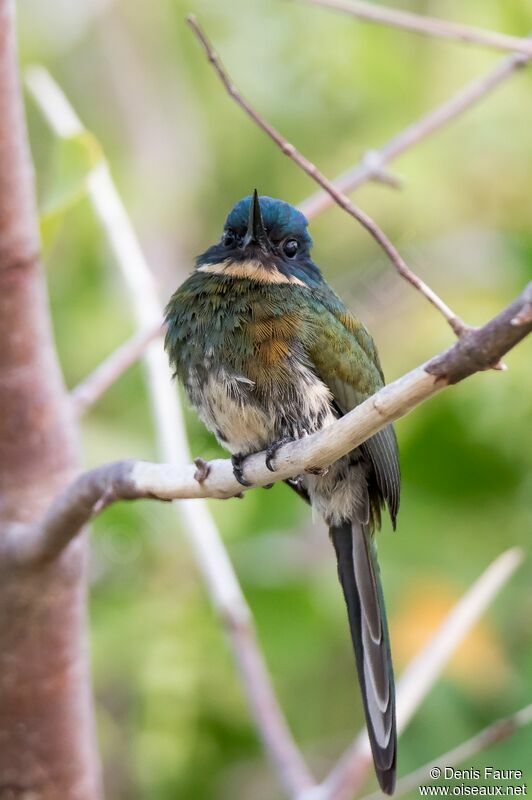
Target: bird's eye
[
  {"x": 290, "y": 247},
  {"x": 228, "y": 238}
]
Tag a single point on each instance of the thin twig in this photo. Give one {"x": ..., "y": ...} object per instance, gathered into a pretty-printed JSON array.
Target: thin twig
[
  {"x": 493, "y": 734},
  {"x": 349, "y": 774},
  {"x": 85, "y": 394},
  {"x": 130, "y": 480},
  {"x": 199, "y": 525},
  {"x": 457, "y": 325},
  {"x": 416, "y": 132},
  {"x": 428, "y": 26}
]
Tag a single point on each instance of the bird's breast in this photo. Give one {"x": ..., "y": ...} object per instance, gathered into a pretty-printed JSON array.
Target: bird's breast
[
  {"x": 228, "y": 405},
  {"x": 240, "y": 349}
]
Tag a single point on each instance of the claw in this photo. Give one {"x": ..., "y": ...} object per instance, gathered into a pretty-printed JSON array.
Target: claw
[
  {"x": 295, "y": 483},
  {"x": 272, "y": 450},
  {"x": 237, "y": 462}
]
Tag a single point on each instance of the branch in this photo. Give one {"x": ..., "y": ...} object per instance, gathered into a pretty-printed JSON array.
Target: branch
[
  {"x": 428, "y": 26},
  {"x": 415, "y": 133},
  {"x": 102, "y": 488},
  {"x": 420, "y": 675},
  {"x": 477, "y": 350},
  {"x": 493, "y": 734},
  {"x": 85, "y": 394},
  {"x": 457, "y": 325}
]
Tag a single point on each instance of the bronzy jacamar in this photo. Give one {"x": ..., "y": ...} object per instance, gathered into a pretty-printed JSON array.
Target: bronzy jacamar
[{"x": 267, "y": 353}]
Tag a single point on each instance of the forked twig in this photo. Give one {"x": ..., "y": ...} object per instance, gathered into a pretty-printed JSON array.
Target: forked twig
[
  {"x": 457, "y": 325},
  {"x": 416, "y": 132},
  {"x": 428, "y": 25}
]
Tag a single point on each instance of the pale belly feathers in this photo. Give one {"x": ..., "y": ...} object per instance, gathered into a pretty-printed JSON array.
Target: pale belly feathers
[{"x": 243, "y": 422}]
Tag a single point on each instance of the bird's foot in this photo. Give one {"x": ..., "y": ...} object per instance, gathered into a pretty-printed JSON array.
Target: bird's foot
[
  {"x": 272, "y": 450},
  {"x": 237, "y": 461},
  {"x": 202, "y": 471}
]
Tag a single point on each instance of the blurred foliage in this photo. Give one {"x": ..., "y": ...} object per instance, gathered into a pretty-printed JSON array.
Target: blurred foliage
[
  {"x": 72, "y": 162},
  {"x": 172, "y": 717}
]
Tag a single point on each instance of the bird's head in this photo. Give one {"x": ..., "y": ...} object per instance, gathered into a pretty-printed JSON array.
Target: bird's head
[{"x": 264, "y": 240}]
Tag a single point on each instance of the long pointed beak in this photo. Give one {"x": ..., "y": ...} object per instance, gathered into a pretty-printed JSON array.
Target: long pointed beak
[{"x": 256, "y": 232}]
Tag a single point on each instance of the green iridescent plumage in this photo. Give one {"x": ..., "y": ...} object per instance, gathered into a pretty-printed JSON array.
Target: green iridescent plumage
[
  {"x": 250, "y": 319},
  {"x": 267, "y": 351}
]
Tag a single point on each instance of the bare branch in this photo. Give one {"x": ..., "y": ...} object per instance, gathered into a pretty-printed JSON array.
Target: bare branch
[
  {"x": 457, "y": 325},
  {"x": 113, "y": 367},
  {"x": 351, "y": 771},
  {"x": 478, "y": 350},
  {"x": 415, "y": 133},
  {"x": 429, "y": 26},
  {"x": 493, "y": 734},
  {"x": 199, "y": 525},
  {"x": 377, "y": 172}
]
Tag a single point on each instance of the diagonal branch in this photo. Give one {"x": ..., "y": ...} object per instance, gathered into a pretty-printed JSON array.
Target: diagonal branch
[
  {"x": 493, "y": 734},
  {"x": 100, "y": 489},
  {"x": 477, "y": 350},
  {"x": 457, "y": 325},
  {"x": 429, "y": 26},
  {"x": 416, "y": 132}
]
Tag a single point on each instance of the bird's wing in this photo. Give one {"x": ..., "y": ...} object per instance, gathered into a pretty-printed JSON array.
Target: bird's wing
[{"x": 344, "y": 356}]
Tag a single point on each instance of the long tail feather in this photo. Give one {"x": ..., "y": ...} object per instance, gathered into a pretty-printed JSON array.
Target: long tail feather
[{"x": 358, "y": 572}]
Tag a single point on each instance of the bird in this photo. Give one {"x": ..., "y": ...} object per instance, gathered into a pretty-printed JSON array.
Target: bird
[{"x": 267, "y": 354}]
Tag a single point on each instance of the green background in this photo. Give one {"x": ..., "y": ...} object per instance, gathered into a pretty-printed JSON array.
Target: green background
[{"x": 172, "y": 718}]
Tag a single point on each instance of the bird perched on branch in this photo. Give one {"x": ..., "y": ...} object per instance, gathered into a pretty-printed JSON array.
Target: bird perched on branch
[{"x": 268, "y": 353}]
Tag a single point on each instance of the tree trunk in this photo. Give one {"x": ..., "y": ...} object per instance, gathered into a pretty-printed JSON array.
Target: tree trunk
[{"x": 47, "y": 743}]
